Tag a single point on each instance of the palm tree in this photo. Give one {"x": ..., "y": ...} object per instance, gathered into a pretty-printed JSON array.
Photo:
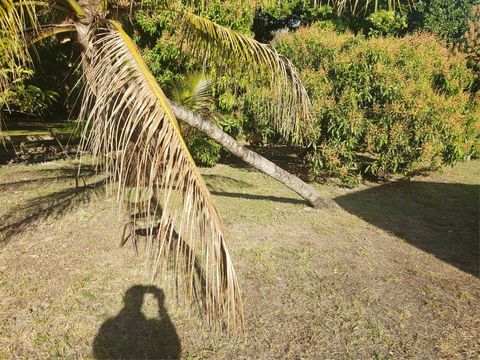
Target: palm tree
[{"x": 131, "y": 129}]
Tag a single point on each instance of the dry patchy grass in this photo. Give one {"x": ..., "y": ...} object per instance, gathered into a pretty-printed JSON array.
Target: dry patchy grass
[{"x": 393, "y": 274}]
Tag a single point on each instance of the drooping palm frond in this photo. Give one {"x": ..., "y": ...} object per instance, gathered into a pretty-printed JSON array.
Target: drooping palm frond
[
  {"x": 47, "y": 31},
  {"x": 131, "y": 125},
  {"x": 229, "y": 51}
]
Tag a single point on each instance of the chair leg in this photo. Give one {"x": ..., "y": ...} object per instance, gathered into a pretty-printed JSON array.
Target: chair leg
[
  {"x": 134, "y": 243},
  {"x": 124, "y": 239}
]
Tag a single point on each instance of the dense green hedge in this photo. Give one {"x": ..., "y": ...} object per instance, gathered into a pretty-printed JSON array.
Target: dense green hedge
[
  {"x": 384, "y": 105},
  {"x": 446, "y": 18}
]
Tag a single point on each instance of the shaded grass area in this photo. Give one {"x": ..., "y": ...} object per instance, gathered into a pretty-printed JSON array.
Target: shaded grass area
[
  {"x": 31, "y": 128},
  {"x": 439, "y": 218},
  {"x": 391, "y": 275}
]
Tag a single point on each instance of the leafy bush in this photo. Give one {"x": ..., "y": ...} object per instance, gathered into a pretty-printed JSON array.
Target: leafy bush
[
  {"x": 32, "y": 100},
  {"x": 385, "y": 22},
  {"x": 470, "y": 44},
  {"x": 26, "y": 99},
  {"x": 204, "y": 150},
  {"x": 447, "y": 18},
  {"x": 384, "y": 105}
]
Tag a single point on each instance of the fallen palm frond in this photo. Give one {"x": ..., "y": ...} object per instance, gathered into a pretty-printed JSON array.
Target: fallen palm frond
[
  {"x": 130, "y": 125},
  {"x": 229, "y": 51}
]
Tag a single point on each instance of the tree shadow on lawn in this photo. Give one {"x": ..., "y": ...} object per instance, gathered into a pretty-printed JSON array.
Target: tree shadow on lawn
[
  {"x": 261, "y": 197},
  {"x": 439, "y": 218},
  {"x": 51, "y": 206},
  {"x": 130, "y": 335},
  {"x": 218, "y": 183}
]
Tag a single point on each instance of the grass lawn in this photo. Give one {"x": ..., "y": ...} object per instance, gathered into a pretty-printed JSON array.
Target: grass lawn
[{"x": 392, "y": 274}]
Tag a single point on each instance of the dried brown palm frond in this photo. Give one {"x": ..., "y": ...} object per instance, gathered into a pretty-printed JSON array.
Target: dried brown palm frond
[
  {"x": 131, "y": 126},
  {"x": 229, "y": 51}
]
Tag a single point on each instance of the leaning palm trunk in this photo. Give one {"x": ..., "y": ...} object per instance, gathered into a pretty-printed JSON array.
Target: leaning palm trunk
[{"x": 316, "y": 199}]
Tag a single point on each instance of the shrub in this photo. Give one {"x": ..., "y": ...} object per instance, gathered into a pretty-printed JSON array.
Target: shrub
[
  {"x": 385, "y": 22},
  {"x": 447, "y": 18},
  {"x": 31, "y": 100},
  {"x": 384, "y": 105},
  {"x": 470, "y": 44},
  {"x": 204, "y": 150}
]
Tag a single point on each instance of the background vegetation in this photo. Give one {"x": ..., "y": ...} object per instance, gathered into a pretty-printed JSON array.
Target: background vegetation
[
  {"x": 384, "y": 105},
  {"x": 394, "y": 87}
]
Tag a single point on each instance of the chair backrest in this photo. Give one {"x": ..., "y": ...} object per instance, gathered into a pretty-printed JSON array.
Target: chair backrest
[{"x": 137, "y": 195}]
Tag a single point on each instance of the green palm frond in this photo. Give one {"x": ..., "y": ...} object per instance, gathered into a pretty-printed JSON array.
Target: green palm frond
[
  {"x": 17, "y": 19},
  {"x": 229, "y": 51},
  {"x": 193, "y": 91},
  {"x": 132, "y": 127}
]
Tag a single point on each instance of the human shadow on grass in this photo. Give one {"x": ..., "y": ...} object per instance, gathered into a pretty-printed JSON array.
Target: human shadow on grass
[
  {"x": 130, "y": 335},
  {"x": 439, "y": 218}
]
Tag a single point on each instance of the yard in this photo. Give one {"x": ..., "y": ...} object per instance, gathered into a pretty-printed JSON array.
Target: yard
[{"x": 392, "y": 274}]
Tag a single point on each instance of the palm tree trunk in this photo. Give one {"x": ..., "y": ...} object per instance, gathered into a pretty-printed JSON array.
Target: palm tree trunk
[{"x": 310, "y": 194}]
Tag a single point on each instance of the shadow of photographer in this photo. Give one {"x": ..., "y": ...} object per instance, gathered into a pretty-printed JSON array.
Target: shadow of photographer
[{"x": 130, "y": 335}]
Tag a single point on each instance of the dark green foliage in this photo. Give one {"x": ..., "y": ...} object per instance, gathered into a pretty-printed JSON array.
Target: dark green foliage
[
  {"x": 25, "y": 96},
  {"x": 204, "y": 150},
  {"x": 290, "y": 15},
  {"x": 447, "y": 18},
  {"x": 236, "y": 14},
  {"x": 384, "y": 105},
  {"x": 367, "y": 17},
  {"x": 31, "y": 100},
  {"x": 47, "y": 90},
  {"x": 57, "y": 69}
]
